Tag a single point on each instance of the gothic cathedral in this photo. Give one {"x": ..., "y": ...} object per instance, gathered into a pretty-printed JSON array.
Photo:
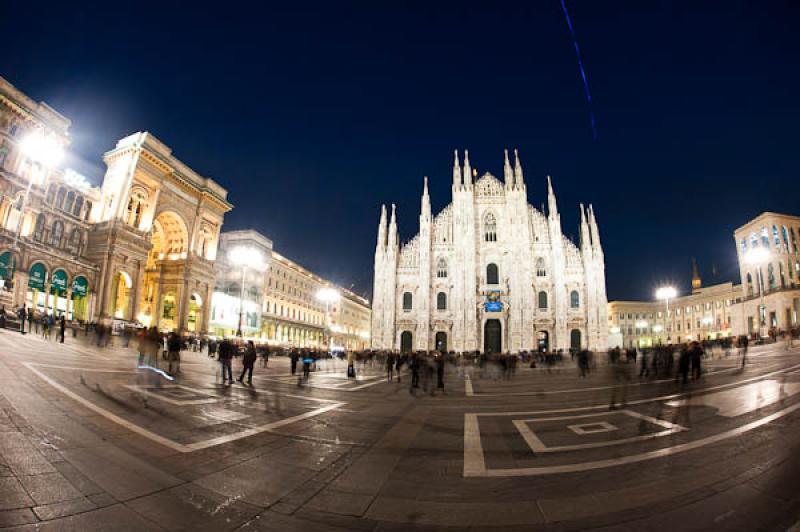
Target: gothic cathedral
[{"x": 489, "y": 273}]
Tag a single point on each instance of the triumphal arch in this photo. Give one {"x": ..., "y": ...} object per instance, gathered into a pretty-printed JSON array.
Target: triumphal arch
[{"x": 158, "y": 225}]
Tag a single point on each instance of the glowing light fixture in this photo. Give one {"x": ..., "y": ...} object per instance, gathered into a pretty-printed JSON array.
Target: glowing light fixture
[{"x": 42, "y": 148}]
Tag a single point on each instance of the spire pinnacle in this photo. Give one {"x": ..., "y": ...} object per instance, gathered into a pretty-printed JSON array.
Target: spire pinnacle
[
  {"x": 425, "y": 186},
  {"x": 552, "y": 206},
  {"x": 467, "y": 169},
  {"x": 508, "y": 174},
  {"x": 520, "y": 181},
  {"x": 456, "y": 170}
]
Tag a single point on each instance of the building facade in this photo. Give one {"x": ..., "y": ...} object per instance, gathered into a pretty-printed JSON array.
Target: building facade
[
  {"x": 281, "y": 303},
  {"x": 139, "y": 248},
  {"x": 705, "y": 314},
  {"x": 771, "y": 282},
  {"x": 489, "y": 272}
]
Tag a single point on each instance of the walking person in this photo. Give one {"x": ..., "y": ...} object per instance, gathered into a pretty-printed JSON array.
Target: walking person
[
  {"x": 696, "y": 353},
  {"x": 62, "y": 325},
  {"x": 743, "y": 342},
  {"x": 293, "y": 360},
  {"x": 174, "y": 345},
  {"x": 389, "y": 367},
  {"x": 248, "y": 361},
  {"x": 30, "y": 319},
  {"x": 225, "y": 355},
  {"x": 583, "y": 362},
  {"x": 645, "y": 371},
  {"x": 2, "y": 317},
  {"x": 21, "y": 317},
  {"x": 414, "y": 370},
  {"x": 440, "y": 372}
]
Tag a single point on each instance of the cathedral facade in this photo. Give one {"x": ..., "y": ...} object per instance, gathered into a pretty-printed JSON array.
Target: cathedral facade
[{"x": 489, "y": 273}]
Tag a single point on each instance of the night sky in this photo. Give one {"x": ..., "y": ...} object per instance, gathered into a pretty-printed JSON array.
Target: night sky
[{"x": 313, "y": 115}]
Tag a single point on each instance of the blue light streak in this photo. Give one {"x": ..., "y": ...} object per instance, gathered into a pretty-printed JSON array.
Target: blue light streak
[
  {"x": 580, "y": 68},
  {"x": 159, "y": 371}
]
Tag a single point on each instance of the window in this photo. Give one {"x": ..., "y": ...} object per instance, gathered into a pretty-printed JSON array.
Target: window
[
  {"x": 765, "y": 237},
  {"x": 753, "y": 240},
  {"x": 771, "y": 276},
  {"x": 38, "y": 229},
  {"x": 785, "y": 233},
  {"x": 75, "y": 242},
  {"x": 441, "y": 269},
  {"x": 776, "y": 238},
  {"x": 60, "y": 197},
  {"x": 574, "y": 299},
  {"x": 492, "y": 276},
  {"x": 57, "y": 234},
  {"x": 744, "y": 245},
  {"x": 542, "y": 300},
  {"x": 490, "y": 228},
  {"x": 441, "y": 301},
  {"x": 88, "y": 210},
  {"x": 541, "y": 271},
  {"x": 76, "y": 211},
  {"x": 70, "y": 202},
  {"x": 407, "y": 300},
  {"x": 136, "y": 207}
]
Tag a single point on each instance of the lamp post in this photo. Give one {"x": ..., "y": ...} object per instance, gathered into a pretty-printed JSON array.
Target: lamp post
[
  {"x": 666, "y": 293},
  {"x": 245, "y": 257},
  {"x": 328, "y": 296},
  {"x": 46, "y": 151},
  {"x": 758, "y": 257}
]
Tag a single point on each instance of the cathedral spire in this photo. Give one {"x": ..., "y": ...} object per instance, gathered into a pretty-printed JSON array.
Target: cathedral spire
[
  {"x": 508, "y": 173},
  {"x": 518, "y": 179},
  {"x": 456, "y": 170},
  {"x": 594, "y": 231},
  {"x": 381, "y": 230},
  {"x": 467, "y": 170},
  {"x": 425, "y": 208},
  {"x": 393, "y": 239},
  {"x": 552, "y": 206},
  {"x": 586, "y": 239}
]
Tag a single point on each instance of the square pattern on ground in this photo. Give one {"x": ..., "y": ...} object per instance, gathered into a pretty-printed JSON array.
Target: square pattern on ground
[
  {"x": 554, "y": 434},
  {"x": 181, "y": 417}
]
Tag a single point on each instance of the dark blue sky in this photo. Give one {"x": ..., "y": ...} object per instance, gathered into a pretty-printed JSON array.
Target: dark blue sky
[{"x": 314, "y": 115}]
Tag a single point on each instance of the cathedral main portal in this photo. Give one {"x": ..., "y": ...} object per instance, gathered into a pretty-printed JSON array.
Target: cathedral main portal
[{"x": 492, "y": 337}]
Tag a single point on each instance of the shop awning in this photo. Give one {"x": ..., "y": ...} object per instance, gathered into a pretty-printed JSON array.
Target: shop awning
[
  {"x": 37, "y": 276},
  {"x": 7, "y": 264},
  {"x": 58, "y": 284},
  {"x": 80, "y": 287}
]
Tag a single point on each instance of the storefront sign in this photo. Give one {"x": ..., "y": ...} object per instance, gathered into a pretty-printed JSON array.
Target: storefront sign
[
  {"x": 58, "y": 285},
  {"x": 37, "y": 277},
  {"x": 80, "y": 287},
  {"x": 6, "y": 266}
]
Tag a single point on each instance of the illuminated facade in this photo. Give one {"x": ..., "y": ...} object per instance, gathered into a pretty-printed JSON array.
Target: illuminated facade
[
  {"x": 281, "y": 303},
  {"x": 490, "y": 272},
  {"x": 139, "y": 248},
  {"x": 775, "y": 236},
  {"x": 707, "y": 313}
]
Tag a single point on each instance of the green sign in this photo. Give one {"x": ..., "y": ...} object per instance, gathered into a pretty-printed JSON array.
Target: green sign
[
  {"x": 58, "y": 284},
  {"x": 7, "y": 266},
  {"x": 80, "y": 287},
  {"x": 37, "y": 276}
]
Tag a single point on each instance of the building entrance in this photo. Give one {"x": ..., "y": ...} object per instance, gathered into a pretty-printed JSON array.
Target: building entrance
[
  {"x": 492, "y": 337},
  {"x": 543, "y": 341}
]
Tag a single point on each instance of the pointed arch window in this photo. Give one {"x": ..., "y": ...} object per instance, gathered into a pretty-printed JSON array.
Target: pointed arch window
[
  {"x": 492, "y": 274},
  {"x": 771, "y": 276},
  {"x": 441, "y": 301},
  {"x": 136, "y": 206},
  {"x": 490, "y": 228},
  {"x": 88, "y": 211},
  {"x": 541, "y": 271},
  {"x": 753, "y": 240},
  {"x": 60, "y": 197},
  {"x": 785, "y": 233},
  {"x": 765, "y": 237},
  {"x": 441, "y": 269},
  {"x": 408, "y": 301},
  {"x": 76, "y": 210},
  {"x": 775, "y": 237}
]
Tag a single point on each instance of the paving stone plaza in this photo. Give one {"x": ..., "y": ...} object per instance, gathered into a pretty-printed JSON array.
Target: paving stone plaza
[{"x": 90, "y": 441}]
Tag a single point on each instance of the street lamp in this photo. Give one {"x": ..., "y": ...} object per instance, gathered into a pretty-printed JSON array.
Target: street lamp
[
  {"x": 47, "y": 152},
  {"x": 328, "y": 296},
  {"x": 666, "y": 293},
  {"x": 758, "y": 257},
  {"x": 245, "y": 257}
]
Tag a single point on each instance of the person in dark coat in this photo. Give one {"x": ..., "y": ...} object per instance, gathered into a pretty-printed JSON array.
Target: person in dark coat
[
  {"x": 174, "y": 345},
  {"x": 696, "y": 353},
  {"x": 248, "y": 361},
  {"x": 62, "y": 326},
  {"x": 293, "y": 356},
  {"x": 226, "y": 349}
]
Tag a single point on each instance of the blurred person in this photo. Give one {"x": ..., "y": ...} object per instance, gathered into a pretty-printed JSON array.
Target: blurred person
[
  {"x": 248, "y": 361},
  {"x": 226, "y": 349},
  {"x": 174, "y": 345}
]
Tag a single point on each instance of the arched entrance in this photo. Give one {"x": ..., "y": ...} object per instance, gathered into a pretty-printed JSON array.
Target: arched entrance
[
  {"x": 543, "y": 341},
  {"x": 194, "y": 318},
  {"x": 169, "y": 312},
  {"x": 8, "y": 265},
  {"x": 80, "y": 296},
  {"x": 492, "y": 337},
  {"x": 120, "y": 295},
  {"x": 575, "y": 340},
  {"x": 406, "y": 342},
  {"x": 58, "y": 293},
  {"x": 441, "y": 341},
  {"x": 37, "y": 278}
]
